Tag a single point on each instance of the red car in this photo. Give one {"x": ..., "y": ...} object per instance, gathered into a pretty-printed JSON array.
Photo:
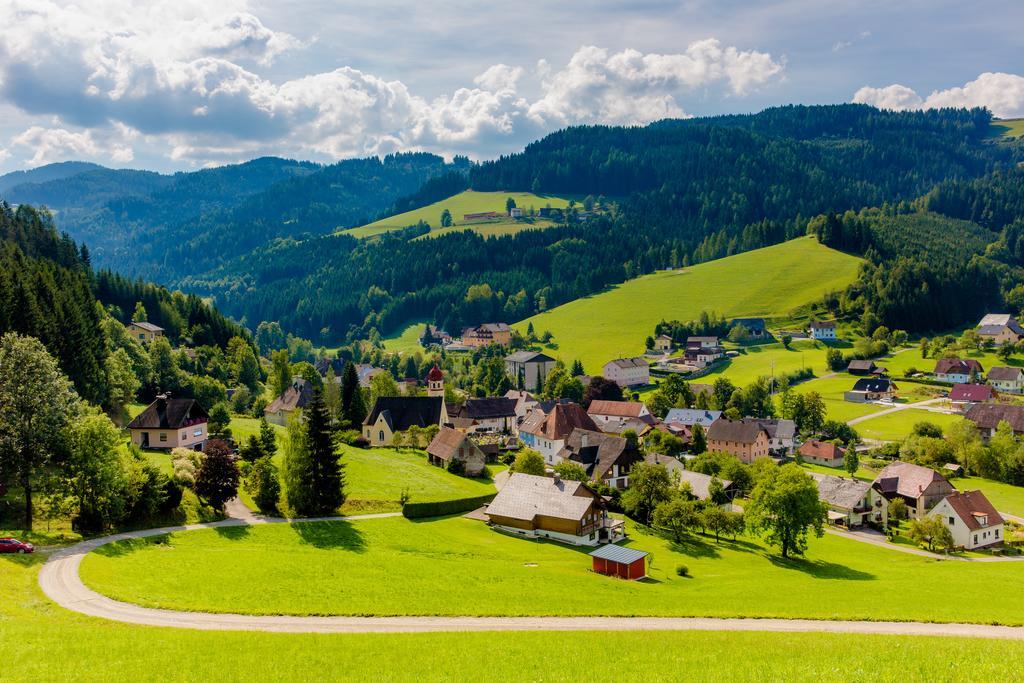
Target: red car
[{"x": 13, "y": 545}]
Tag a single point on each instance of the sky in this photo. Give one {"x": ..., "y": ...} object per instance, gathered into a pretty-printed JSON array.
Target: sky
[{"x": 191, "y": 83}]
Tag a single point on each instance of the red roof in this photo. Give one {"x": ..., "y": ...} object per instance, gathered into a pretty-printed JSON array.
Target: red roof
[
  {"x": 974, "y": 393},
  {"x": 435, "y": 374},
  {"x": 823, "y": 450}
]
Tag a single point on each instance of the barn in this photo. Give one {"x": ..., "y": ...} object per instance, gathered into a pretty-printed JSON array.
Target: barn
[{"x": 614, "y": 560}]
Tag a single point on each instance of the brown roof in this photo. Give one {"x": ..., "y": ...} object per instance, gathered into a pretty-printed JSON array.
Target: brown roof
[
  {"x": 821, "y": 449},
  {"x": 909, "y": 480},
  {"x": 616, "y": 408},
  {"x": 839, "y": 491},
  {"x": 525, "y": 496},
  {"x": 598, "y": 452},
  {"x": 734, "y": 430},
  {"x": 957, "y": 366},
  {"x": 970, "y": 505},
  {"x": 169, "y": 413},
  {"x": 447, "y": 442},
  {"x": 559, "y": 422},
  {"x": 1004, "y": 374},
  {"x": 989, "y": 415},
  {"x": 295, "y": 396}
]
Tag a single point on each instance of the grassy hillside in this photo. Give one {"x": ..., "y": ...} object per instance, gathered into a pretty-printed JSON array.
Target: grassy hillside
[
  {"x": 1010, "y": 128},
  {"x": 461, "y": 204},
  {"x": 767, "y": 282}
]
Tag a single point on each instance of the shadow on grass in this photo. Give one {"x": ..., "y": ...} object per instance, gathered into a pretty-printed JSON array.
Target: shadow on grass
[
  {"x": 331, "y": 535},
  {"x": 131, "y": 545},
  {"x": 25, "y": 560},
  {"x": 819, "y": 569},
  {"x": 234, "y": 533},
  {"x": 694, "y": 547}
]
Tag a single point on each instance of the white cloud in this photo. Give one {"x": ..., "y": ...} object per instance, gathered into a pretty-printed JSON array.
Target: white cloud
[
  {"x": 185, "y": 75},
  {"x": 1001, "y": 93}
]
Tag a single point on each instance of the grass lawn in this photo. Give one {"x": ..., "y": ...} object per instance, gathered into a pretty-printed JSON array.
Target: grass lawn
[
  {"x": 461, "y": 204},
  {"x": 831, "y": 390},
  {"x": 1006, "y": 497},
  {"x": 395, "y": 566},
  {"x": 1010, "y": 128},
  {"x": 897, "y": 426},
  {"x": 43, "y": 642},
  {"x": 760, "y": 359},
  {"x": 899, "y": 363},
  {"x": 406, "y": 340},
  {"x": 767, "y": 282}
]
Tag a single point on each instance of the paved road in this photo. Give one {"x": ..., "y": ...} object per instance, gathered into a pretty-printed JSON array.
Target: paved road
[
  {"x": 897, "y": 408},
  {"x": 877, "y": 539},
  {"x": 60, "y": 581}
]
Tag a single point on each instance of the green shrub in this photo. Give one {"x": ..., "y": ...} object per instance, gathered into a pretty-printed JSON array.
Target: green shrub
[
  {"x": 444, "y": 507},
  {"x": 682, "y": 570}
]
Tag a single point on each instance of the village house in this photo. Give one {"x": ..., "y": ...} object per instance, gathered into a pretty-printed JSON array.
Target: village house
[
  {"x": 663, "y": 343},
  {"x": 617, "y": 416},
  {"x": 702, "y": 342},
  {"x": 1000, "y": 328},
  {"x": 628, "y": 372},
  {"x": 451, "y": 445},
  {"x": 689, "y": 417},
  {"x": 747, "y": 440},
  {"x": 525, "y": 402},
  {"x": 168, "y": 423},
  {"x": 515, "y": 212},
  {"x": 972, "y": 519},
  {"x": 822, "y": 453},
  {"x": 143, "y": 331},
  {"x": 295, "y": 397},
  {"x": 755, "y": 327},
  {"x": 546, "y": 507},
  {"x": 703, "y": 356},
  {"x": 869, "y": 389},
  {"x": 546, "y": 431},
  {"x": 863, "y": 368},
  {"x": 1006, "y": 379},
  {"x": 987, "y": 417},
  {"x": 823, "y": 330},
  {"x": 921, "y": 488},
  {"x": 486, "y": 334},
  {"x": 434, "y": 335},
  {"x": 366, "y": 373},
  {"x": 393, "y": 414},
  {"x": 851, "y": 503},
  {"x": 699, "y": 483},
  {"x": 605, "y": 457},
  {"x": 963, "y": 396},
  {"x": 485, "y": 415},
  {"x": 957, "y": 370},
  {"x": 529, "y": 369},
  {"x": 336, "y": 365},
  {"x": 781, "y": 434}
]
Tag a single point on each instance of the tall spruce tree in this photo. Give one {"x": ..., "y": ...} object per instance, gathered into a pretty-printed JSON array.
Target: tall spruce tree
[
  {"x": 313, "y": 471},
  {"x": 353, "y": 407}
]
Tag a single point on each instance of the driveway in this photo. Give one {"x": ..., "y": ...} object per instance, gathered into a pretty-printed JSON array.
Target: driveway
[
  {"x": 925, "y": 405},
  {"x": 60, "y": 581}
]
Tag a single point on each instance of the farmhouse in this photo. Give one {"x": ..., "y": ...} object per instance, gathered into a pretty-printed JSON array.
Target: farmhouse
[
  {"x": 781, "y": 435},
  {"x": 485, "y": 415},
  {"x": 529, "y": 369},
  {"x": 144, "y": 331},
  {"x": 663, "y": 343},
  {"x": 963, "y": 396},
  {"x": 957, "y": 370},
  {"x": 747, "y": 440},
  {"x": 822, "y": 453},
  {"x": 920, "y": 488},
  {"x": 625, "y": 563},
  {"x": 701, "y": 342},
  {"x": 862, "y": 368},
  {"x": 452, "y": 446},
  {"x": 546, "y": 432},
  {"x": 822, "y": 330},
  {"x": 486, "y": 334},
  {"x": 545, "y": 507},
  {"x": 871, "y": 389},
  {"x": 689, "y": 417},
  {"x": 295, "y": 397},
  {"x": 1006, "y": 379},
  {"x": 851, "y": 503},
  {"x": 434, "y": 335},
  {"x": 393, "y": 414},
  {"x": 700, "y": 484},
  {"x": 168, "y": 423},
  {"x": 525, "y": 402},
  {"x": 755, "y": 327},
  {"x": 606, "y": 458},
  {"x": 617, "y": 416},
  {"x": 515, "y": 212},
  {"x": 1001, "y": 328},
  {"x": 628, "y": 372},
  {"x": 972, "y": 519},
  {"x": 703, "y": 356},
  {"x": 987, "y": 417}
]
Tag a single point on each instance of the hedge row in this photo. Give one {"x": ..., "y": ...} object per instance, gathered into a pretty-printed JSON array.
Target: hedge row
[{"x": 445, "y": 507}]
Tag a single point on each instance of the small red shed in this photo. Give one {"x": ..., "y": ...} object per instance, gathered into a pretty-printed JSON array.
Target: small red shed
[{"x": 614, "y": 560}]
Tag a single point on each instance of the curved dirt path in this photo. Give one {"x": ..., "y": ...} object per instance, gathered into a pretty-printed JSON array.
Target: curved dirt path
[{"x": 60, "y": 581}]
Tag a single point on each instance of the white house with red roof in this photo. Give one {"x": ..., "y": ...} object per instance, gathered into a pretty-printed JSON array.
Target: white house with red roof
[{"x": 972, "y": 519}]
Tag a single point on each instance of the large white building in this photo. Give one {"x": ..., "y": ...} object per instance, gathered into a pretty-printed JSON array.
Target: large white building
[{"x": 628, "y": 372}]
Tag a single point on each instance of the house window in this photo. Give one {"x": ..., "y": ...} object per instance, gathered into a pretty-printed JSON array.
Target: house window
[
  {"x": 163, "y": 436},
  {"x": 975, "y": 538},
  {"x": 996, "y": 532},
  {"x": 952, "y": 521},
  {"x": 198, "y": 432},
  {"x": 380, "y": 435}
]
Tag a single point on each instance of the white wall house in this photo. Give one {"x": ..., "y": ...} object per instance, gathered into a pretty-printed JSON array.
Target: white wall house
[
  {"x": 971, "y": 518},
  {"x": 628, "y": 372},
  {"x": 823, "y": 330},
  {"x": 1006, "y": 379}
]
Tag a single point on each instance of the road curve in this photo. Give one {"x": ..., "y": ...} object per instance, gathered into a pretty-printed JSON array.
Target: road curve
[{"x": 60, "y": 581}]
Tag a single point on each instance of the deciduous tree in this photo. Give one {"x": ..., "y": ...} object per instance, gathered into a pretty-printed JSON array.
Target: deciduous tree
[{"x": 784, "y": 507}]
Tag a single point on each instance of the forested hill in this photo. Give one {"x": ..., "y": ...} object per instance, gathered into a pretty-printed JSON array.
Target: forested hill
[
  {"x": 48, "y": 290},
  {"x": 166, "y": 227},
  {"x": 674, "y": 192}
]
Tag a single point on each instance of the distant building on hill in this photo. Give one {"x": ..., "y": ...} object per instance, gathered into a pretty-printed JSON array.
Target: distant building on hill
[
  {"x": 168, "y": 423},
  {"x": 144, "y": 331},
  {"x": 295, "y": 397},
  {"x": 529, "y": 369},
  {"x": 1000, "y": 328},
  {"x": 486, "y": 334},
  {"x": 823, "y": 330},
  {"x": 628, "y": 372}
]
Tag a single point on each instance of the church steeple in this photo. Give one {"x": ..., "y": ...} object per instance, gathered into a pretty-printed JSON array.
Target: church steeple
[{"x": 435, "y": 382}]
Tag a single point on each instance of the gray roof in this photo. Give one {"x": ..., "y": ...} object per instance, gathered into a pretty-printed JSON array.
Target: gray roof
[
  {"x": 149, "y": 327},
  {"x": 692, "y": 416},
  {"x": 524, "y": 496},
  {"x": 616, "y": 553},
  {"x": 600, "y": 453},
  {"x": 700, "y": 484},
  {"x": 529, "y": 357},
  {"x": 1004, "y": 374},
  {"x": 994, "y": 322},
  {"x": 778, "y": 429},
  {"x": 874, "y": 386},
  {"x": 840, "y": 492},
  {"x": 402, "y": 412},
  {"x": 636, "y": 362}
]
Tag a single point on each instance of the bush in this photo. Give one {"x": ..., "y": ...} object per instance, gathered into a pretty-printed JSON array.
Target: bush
[
  {"x": 682, "y": 570},
  {"x": 263, "y": 485},
  {"x": 456, "y": 467},
  {"x": 444, "y": 507},
  {"x": 360, "y": 442},
  {"x": 185, "y": 463}
]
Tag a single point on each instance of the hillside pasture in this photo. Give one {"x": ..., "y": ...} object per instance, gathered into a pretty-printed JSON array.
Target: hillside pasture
[
  {"x": 768, "y": 282},
  {"x": 1008, "y": 128}
]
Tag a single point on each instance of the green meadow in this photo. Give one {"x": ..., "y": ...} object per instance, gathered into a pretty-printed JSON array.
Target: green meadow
[
  {"x": 461, "y": 204},
  {"x": 1010, "y": 128},
  {"x": 394, "y": 566},
  {"x": 768, "y": 282}
]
